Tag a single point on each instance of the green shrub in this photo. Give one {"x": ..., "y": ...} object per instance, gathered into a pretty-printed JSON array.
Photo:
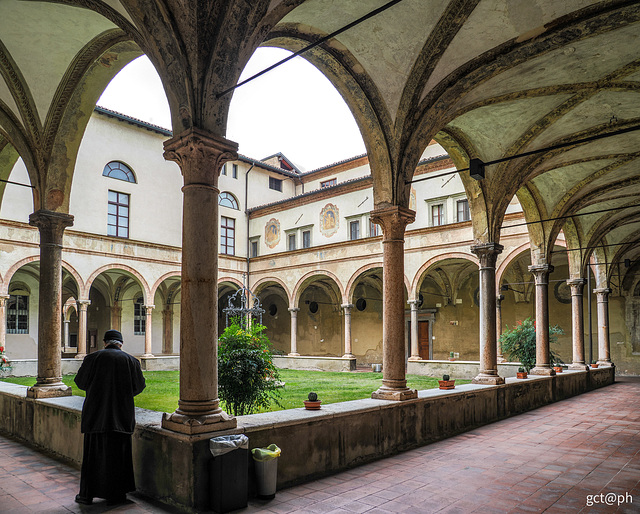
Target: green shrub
[
  {"x": 519, "y": 343},
  {"x": 247, "y": 378}
]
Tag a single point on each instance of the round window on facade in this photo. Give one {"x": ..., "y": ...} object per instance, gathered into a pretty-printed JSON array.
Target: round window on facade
[
  {"x": 273, "y": 309},
  {"x": 361, "y": 304},
  {"x": 313, "y": 307}
]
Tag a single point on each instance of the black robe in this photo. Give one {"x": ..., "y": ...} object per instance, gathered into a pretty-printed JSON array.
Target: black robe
[{"x": 111, "y": 379}]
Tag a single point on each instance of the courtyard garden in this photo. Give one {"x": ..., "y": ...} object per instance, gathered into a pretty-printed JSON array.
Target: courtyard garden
[{"x": 162, "y": 391}]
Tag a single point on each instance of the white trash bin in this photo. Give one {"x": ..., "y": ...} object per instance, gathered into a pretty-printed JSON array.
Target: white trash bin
[{"x": 266, "y": 463}]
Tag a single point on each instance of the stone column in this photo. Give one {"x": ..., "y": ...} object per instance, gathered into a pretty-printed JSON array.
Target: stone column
[
  {"x": 604, "y": 353},
  {"x": 415, "y": 351},
  {"x": 393, "y": 221},
  {"x": 577, "y": 323},
  {"x": 499, "y": 299},
  {"x": 200, "y": 155},
  {"x": 541, "y": 275},
  {"x": 487, "y": 254},
  {"x": 82, "y": 328},
  {"x": 347, "y": 331},
  {"x": 294, "y": 332},
  {"x": 65, "y": 334},
  {"x": 3, "y": 319},
  {"x": 51, "y": 226},
  {"x": 148, "y": 348},
  {"x": 167, "y": 330},
  {"x": 116, "y": 317}
]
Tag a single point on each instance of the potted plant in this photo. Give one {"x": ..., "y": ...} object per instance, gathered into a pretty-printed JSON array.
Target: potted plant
[
  {"x": 445, "y": 383},
  {"x": 519, "y": 343},
  {"x": 557, "y": 367},
  {"x": 312, "y": 403},
  {"x": 521, "y": 373},
  {"x": 594, "y": 364},
  {"x": 452, "y": 356}
]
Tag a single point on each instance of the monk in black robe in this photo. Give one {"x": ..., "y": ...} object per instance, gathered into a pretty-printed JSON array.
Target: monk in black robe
[{"x": 111, "y": 379}]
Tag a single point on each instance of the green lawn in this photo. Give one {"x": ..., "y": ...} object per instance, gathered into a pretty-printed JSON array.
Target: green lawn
[{"x": 161, "y": 393}]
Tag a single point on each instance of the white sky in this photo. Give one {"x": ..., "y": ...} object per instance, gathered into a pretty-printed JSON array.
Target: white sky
[{"x": 292, "y": 109}]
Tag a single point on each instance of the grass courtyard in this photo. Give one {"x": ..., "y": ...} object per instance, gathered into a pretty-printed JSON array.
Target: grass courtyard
[{"x": 162, "y": 391}]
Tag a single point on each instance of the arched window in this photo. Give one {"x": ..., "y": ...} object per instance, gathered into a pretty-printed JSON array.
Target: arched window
[
  {"x": 228, "y": 200},
  {"x": 119, "y": 170}
]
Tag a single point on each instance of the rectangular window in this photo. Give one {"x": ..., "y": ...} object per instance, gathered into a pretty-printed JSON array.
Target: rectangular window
[
  {"x": 354, "y": 230},
  {"x": 224, "y": 169},
  {"x": 275, "y": 183},
  {"x": 329, "y": 183},
  {"x": 118, "y": 214},
  {"x": 234, "y": 171},
  {"x": 292, "y": 242},
  {"x": 254, "y": 248},
  {"x": 306, "y": 239},
  {"x": 139, "y": 318},
  {"x": 374, "y": 229},
  {"x": 18, "y": 314},
  {"x": 228, "y": 236},
  {"x": 437, "y": 215},
  {"x": 463, "y": 210}
]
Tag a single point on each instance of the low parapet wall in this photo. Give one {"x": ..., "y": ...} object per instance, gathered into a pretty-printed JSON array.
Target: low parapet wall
[
  {"x": 315, "y": 363},
  {"x": 457, "y": 369},
  {"x": 174, "y": 468}
]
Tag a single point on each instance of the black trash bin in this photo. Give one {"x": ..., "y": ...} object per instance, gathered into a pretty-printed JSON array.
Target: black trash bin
[{"x": 229, "y": 472}]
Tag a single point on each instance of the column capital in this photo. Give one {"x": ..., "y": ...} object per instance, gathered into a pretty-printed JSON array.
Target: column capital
[
  {"x": 294, "y": 309},
  {"x": 83, "y": 303},
  {"x": 346, "y": 306},
  {"x": 487, "y": 253},
  {"x": 4, "y": 298},
  {"x": 603, "y": 291},
  {"x": 499, "y": 298},
  {"x": 541, "y": 272},
  {"x": 200, "y": 155},
  {"x": 51, "y": 225},
  {"x": 413, "y": 303},
  {"x": 149, "y": 308},
  {"x": 393, "y": 220},
  {"x": 576, "y": 282}
]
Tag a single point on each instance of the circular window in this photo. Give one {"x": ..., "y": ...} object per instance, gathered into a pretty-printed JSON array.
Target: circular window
[
  {"x": 361, "y": 304},
  {"x": 313, "y": 307},
  {"x": 273, "y": 309}
]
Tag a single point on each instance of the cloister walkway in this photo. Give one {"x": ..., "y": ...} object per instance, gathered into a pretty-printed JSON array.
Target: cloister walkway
[{"x": 553, "y": 459}]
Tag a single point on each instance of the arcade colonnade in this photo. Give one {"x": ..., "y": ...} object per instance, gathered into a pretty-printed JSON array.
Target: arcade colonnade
[{"x": 409, "y": 74}]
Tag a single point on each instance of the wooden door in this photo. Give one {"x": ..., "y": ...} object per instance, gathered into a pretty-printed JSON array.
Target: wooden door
[{"x": 423, "y": 339}]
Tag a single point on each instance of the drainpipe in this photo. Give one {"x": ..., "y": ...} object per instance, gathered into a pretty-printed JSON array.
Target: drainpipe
[
  {"x": 246, "y": 213},
  {"x": 589, "y": 314}
]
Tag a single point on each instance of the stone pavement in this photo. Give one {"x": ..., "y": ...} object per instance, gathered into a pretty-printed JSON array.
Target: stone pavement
[{"x": 555, "y": 459}]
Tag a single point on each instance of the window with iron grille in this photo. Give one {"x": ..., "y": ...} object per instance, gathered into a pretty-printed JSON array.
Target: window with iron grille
[
  {"x": 118, "y": 214},
  {"x": 275, "y": 183},
  {"x": 139, "y": 318},
  {"x": 18, "y": 314},
  {"x": 463, "y": 210},
  {"x": 228, "y": 236}
]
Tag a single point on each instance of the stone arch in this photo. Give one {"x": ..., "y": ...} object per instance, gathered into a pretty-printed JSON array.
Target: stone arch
[
  {"x": 12, "y": 271},
  {"x": 164, "y": 277},
  {"x": 311, "y": 277},
  {"x": 422, "y": 272},
  {"x": 123, "y": 267},
  {"x": 265, "y": 282},
  {"x": 354, "y": 279}
]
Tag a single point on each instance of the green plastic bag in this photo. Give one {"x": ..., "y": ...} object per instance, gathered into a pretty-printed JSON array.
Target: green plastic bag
[{"x": 269, "y": 453}]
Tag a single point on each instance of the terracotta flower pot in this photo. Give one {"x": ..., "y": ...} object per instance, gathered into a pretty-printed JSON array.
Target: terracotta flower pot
[
  {"x": 594, "y": 366},
  {"x": 557, "y": 369},
  {"x": 312, "y": 405},
  {"x": 522, "y": 374},
  {"x": 447, "y": 384}
]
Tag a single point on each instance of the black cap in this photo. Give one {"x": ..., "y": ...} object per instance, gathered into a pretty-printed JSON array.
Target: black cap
[{"x": 113, "y": 335}]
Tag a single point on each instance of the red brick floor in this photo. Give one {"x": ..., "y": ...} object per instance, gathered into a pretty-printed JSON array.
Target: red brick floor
[{"x": 548, "y": 460}]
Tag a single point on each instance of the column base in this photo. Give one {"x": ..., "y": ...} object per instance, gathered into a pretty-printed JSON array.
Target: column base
[
  {"x": 604, "y": 364},
  {"x": 147, "y": 356},
  {"x": 80, "y": 355},
  {"x": 194, "y": 425},
  {"x": 500, "y": 360},
  {"x": 487, "y": 379},
  {"x": 415, "y": 358},
  {"x": 580, "y": 366},
  {"x": 397, "y": 395},
  {"x": 293, "y": 354},
  {"x": 542, "y": 371},
  {"x": 348, "y": 356},
  {"x": 48, "y": 391}
]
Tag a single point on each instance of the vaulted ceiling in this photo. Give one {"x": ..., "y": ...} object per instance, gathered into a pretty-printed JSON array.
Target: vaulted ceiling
[{"x": 489, "y": 79}]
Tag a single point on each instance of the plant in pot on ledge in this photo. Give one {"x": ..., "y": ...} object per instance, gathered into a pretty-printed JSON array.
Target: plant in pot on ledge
[
  {"x": 521, "y": 373},
  {"x": 312, "y": 403},
  {"x": 445, "y": 383},
  {"x": 594, "y": 364}
]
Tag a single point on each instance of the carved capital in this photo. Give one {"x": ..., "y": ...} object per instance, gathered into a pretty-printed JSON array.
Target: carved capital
[
  {"x": 603, "y": 293},
  {"x": 200, "y": 155},
  {"x": 394, "y": 221},
  {"x": 541, "y": 272},
  {"x": 487, "y": 254},
  {"x": 51, "y": 225},
  {"x": 577, "y": 286},
  {"x": 83, "y": 304}
]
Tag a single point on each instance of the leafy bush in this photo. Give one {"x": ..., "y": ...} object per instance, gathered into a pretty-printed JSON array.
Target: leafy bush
[
  {"x": 247, "y": 378},
  {"x": 519, "y": 343}
]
